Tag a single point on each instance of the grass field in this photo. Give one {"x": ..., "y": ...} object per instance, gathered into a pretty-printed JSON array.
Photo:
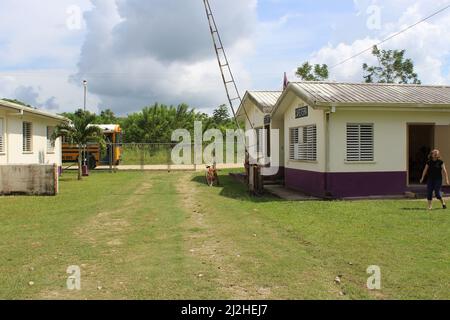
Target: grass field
[
  {"x": 142, "y": 235},
  {"x": 146, "y": 154},
  {"x": 159, "y": 154}
]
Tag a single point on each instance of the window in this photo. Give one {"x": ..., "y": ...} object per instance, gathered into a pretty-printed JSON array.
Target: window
[
  {"x": 50, "y": 141},
  {"x": 303, "y": 143},
  {"x": 2, "y": 139},
  {"x": 27, "y": 132},
  {"x": 360, "y": 142}
]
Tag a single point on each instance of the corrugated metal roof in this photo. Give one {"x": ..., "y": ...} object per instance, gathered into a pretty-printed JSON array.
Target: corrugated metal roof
[
  {"x": 265, "y": 100},
  {"x": 365, "y": 93},
  {"x": 19, "y": 107}
]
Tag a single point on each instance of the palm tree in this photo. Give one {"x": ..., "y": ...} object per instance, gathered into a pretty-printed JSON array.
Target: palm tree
[{"x": 80, "y": 132}]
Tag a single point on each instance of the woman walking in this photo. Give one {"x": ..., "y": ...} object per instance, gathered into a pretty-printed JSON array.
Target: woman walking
[{"x": 436, "y": 170}]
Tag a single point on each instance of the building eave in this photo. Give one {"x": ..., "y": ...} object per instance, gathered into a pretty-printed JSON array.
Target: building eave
[{"x": 28, "y": 110}]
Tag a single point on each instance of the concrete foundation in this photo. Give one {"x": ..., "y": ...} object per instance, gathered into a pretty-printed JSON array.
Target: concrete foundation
[{"x": 29, "y": 180}]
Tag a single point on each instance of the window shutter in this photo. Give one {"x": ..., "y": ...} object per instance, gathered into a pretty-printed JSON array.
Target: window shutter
[
  {"x": 294, "y": 139},
  {"x": 360, "y": 142},
  {"x": 27, "y": 137},
  {"x": 261, "y": 141},
  {"x": 2, "y": 139},
  {"x": 304, "y": 143}
]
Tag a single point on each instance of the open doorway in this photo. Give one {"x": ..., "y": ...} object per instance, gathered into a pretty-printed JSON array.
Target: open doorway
[
  {"x": 268, "y": 140},
  {"x": 421, "y": 142}
]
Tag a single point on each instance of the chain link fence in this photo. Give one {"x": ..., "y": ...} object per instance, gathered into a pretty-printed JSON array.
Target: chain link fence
[{"x": 159, "y": 156}]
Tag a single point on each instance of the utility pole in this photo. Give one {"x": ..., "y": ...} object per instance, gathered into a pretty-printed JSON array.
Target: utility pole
[
  {"x": 85, "y": 83},
  {"x": 85, "y": 93}
]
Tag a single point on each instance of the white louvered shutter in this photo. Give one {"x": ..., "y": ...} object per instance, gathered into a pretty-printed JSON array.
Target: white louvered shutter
[
  {"x": 303, "y": 144},
  {"x": 294, "y": 144},
  {"x": 27, "y": 137},
  {"x": 360, "y": 142},
  {"x": 2, "y": 137}
]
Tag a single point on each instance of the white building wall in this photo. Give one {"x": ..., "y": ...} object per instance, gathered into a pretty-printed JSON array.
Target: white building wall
[
  {"x": 279, "y": 125},
  {"x": 14, "y": 140},
  {"x": 315, "y": 117},
  {"x": 255, "y": 115},
  {"x": 390, "y": 137}
]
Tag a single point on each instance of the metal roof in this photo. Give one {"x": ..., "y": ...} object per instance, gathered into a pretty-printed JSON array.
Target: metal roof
[
  {"x": 329, "y": 93},
  {"x": 264, "y": 100},
  {"x": 31, "y": 110}
]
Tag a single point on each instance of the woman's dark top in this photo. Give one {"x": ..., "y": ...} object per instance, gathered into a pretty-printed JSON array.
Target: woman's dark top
[{"x": 435, "y": 169}]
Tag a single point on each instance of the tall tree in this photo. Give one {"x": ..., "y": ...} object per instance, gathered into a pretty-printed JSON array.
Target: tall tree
[
  {"x": 221, "y": 115},
  {"x": 80, "y": 131},
  {"x": 392, "y": 68},
  {"x": 156, "y": 123},
  {"x": 308, "y": 72},
  {"x": 107, "y": 117}
]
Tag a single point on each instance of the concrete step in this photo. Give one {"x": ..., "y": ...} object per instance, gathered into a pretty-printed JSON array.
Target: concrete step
[{"x": 274, "y": 182}]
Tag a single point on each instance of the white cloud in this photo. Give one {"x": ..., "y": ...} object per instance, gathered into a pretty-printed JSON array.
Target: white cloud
[
  {"x": 136, "y": 52},
  {"x": 428, "y": 44},
  {"x": 47, "y": 88},
  {"x": 38, "y": 52}
]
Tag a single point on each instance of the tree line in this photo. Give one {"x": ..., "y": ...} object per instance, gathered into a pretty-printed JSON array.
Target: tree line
[
  {"x": 155, "y": 123},
  {"x": 392, "y": 67}
]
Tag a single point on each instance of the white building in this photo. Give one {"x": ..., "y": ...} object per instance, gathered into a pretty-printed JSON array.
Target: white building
[
  {"x": 25, "y": 135},
  {"x": 345, "y": 140}
]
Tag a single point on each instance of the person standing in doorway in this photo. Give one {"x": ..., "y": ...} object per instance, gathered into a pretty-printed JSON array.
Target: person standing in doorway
[{"x": 436, "y": 170}]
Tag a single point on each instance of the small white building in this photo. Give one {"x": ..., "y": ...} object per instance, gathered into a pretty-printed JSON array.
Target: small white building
[
  {"x": 345, "y": 140},
  {"x": 350, "y": 140},
  {"x": 256, "y": 110},
  {"x": 25, "y": 136},
  {"x": 257, "y": 106}
]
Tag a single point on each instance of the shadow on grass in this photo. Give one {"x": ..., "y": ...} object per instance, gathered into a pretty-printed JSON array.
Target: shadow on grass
[{"x": 231, "y": 188}]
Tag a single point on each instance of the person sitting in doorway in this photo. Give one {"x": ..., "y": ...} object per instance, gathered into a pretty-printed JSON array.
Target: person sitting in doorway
[{"x": 436, "y": 170}]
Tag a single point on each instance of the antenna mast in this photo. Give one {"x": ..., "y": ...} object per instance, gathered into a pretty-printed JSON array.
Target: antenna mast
[{"x": 233, "y": 95}]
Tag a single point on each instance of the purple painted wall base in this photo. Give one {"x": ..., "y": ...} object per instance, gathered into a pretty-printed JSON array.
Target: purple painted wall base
[
  {"x": 309, "y": 182},
  {"x": 347, "y": 185}
]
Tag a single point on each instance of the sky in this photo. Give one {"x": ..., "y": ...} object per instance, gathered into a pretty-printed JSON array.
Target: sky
[{"x": 134, "y": 53}]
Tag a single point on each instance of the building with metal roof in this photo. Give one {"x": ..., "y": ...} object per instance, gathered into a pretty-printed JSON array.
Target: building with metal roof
[
  {"x": 350, "y": 140},
  {"x": 348, "y": 94},
  {"x": 256, "y": 105},
  {"x": 26, "y": 135}
]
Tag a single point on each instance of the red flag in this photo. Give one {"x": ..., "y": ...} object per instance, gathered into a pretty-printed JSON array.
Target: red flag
[{"x": 285, "y": 81}]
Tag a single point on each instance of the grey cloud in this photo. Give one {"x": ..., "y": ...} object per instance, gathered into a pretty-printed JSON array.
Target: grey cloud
[
  {"x": 139, "y": 52},
  {"x": 27, "y": 94},
  {"x": 176, "y": 30},
  {"x": 51, "y": 104},
  {"x": 30, "y": 96}
]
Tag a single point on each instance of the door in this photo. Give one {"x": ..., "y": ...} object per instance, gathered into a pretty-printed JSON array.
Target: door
[
  {"x": 268, "y": 140},
  {"x": 421, "y": 142}
]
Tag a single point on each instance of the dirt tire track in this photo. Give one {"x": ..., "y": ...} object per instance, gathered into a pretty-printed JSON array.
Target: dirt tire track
[
  {"x": 205, "y": 246},
  {"x": 104, "y": 225},
  {"x": 108, "y": 225}
]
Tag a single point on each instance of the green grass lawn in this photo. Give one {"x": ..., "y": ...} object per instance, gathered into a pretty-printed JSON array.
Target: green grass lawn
[
  {"x": 168, "y": 236},
  {"x": 146, "y": 154}
]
